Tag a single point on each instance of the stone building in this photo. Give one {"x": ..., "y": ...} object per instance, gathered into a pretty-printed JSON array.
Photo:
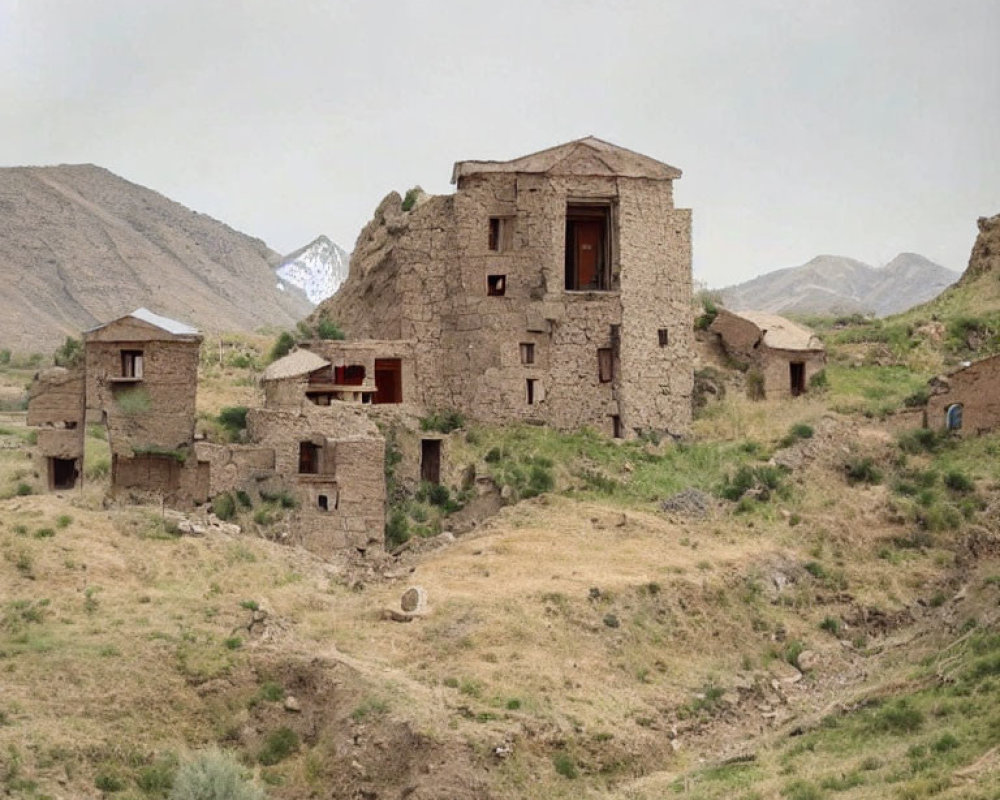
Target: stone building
[
  {"x": 967, "y": 400},
  {"x": 784, "y": 354},
  {"x": 141, "y": 373},
  {"x": 554, "y": 288},
  {"x": 56, "y": 408}
]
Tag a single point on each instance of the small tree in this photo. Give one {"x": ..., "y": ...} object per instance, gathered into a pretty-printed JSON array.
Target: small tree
[
  {"x": 282, "y": 347},
  {"x": 70, "y": 354}
]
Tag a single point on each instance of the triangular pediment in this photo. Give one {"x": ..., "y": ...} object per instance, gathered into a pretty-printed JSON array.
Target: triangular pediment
[{"x": 587, "y": 156}]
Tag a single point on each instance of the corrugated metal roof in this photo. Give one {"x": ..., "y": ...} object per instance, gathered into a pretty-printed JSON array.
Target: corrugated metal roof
[
  {"x": 298, "y": 362},
  {"x": 161, "y": 322},
  {"x": 782, "y": 334},
  {"x": 613, "y": 160}
]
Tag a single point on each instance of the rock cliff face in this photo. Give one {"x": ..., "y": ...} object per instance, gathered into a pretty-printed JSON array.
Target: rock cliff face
[
  {"x": 985, "y": 256},
  {"x": 80, "y": 246}
]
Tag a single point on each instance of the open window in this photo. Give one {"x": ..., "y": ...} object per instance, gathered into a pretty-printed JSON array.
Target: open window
[
  {"x": 797, "y": 377},
  {"x": 663, "y": 336},
  {"x": 132, "y": 364},
  {"x": 430, "y": 460},
  {"x": 588, "y": 247},
  {"x": 496, "y": 285},
  {"x": 501, "y": 235},
  {"x": 531, "y": 390},
  {"x": 349, "y": 375},
  {"x": 308, "y": 458}
]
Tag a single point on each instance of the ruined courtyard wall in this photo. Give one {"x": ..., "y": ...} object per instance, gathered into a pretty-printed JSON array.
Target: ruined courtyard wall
[
  {"x": 234, "y": 466},
  {"x": 977, "y": 388},
  {"x": 655, "y": 261},
  {"x": 156, "y": 411}
]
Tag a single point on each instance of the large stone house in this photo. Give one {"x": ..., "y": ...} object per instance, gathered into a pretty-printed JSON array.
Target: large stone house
[
  {"x": 783, "y": 353},
  {"x": 555, "y": 287}
]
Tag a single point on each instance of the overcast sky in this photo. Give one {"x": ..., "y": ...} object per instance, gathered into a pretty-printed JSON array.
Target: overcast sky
[{"x": 853, "y": 127}]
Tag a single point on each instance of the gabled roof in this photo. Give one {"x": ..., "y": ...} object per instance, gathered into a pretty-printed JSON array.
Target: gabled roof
[
  {"x": 298, "y": 362},
  {"x": 782, "y": 334},
  {"x": 587, "y": 156},
  {"x": 166, "y": 324}
]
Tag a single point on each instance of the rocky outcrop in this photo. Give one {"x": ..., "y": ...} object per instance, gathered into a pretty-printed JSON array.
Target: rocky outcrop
[{"x": 985, "y": 256}]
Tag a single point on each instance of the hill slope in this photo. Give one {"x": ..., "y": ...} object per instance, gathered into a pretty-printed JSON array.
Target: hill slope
[
  {"x": 836, "y": 284},
  {"x": 80, "y": 245}
]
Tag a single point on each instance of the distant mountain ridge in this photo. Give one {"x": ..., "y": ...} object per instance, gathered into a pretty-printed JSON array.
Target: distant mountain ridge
[
  {"x": 80, "y": 246},
  {"x": 840, "y": 285},
  {"x": 318, "y": 269}
]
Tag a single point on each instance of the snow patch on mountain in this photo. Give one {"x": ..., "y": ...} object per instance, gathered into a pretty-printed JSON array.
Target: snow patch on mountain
[{"x": 318, "y": 268}]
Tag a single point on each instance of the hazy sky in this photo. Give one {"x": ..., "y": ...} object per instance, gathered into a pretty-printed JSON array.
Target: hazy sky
[{"x": 853, "y": 127}]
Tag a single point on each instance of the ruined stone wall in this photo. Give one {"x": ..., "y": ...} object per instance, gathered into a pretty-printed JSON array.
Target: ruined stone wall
[
  {"x": 285, "y": 392},
  {"x": 235, "y": 466},
  {"x": 56, "y": 398},
  {"x": 156, "y": 411},
  {"x": 350, "y": 473},
  {"x": 977, "y": 388}
]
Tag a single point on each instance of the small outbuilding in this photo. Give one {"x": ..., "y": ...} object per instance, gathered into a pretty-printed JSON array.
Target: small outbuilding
[
  {"x": 785, "y": 354},
  {"x": 967, "y": 400}
]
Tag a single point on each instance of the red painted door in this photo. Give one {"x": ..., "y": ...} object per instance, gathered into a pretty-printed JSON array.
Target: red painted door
[{"x": 589, "y": 253}]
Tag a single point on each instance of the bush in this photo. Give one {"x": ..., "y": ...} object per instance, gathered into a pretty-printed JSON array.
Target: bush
[
  {"x": 213, "y": 775},
  {"x": 244, "y": 499},
  {"x": 709, "y": 312},
  {"x": 329, "y": 330},
  {"x": 899, "y": 717},
  {"x": 23, "y": 489},
  {"x": 958, "y": 481},
  {"x": 282, "y": 346},
  {"x": 278, "y": 746},
  {"x": 921, "y": 440},
  {"x": 564, "y": 765},
  {"x": 444, "y": 421},
  {"x": 410, "y": 199},
  {"x": 223, "y": 506},
  {"x": 397, "y": 529},
  {"x": 819, "y": 380},
  {"x": 862, "y": 470},
  {"x": 917, "y": 399},
  {"x": 233, "y": 419},
  {"x": 755, "y": 384},
  {"x": 761, "y": 479}
]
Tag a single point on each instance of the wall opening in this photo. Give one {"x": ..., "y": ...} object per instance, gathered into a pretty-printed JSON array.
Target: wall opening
[
  {"x": 663, "y": 336},
  {"x": 323, "y": 502},
  {"x": 496, "y": 285},
  {"x": 530, "y": 387},
  {"x": 132, "y": 364},
  {"x": 388, "y": 380},
  {"x": 605, "y": 364},
  {"x": 588, "y": 247},
  {"x": 527, "y": 352},
  {"x": 430, "y": 460},
  {"x": 350, "y": 375},
  {"x": 62, "y": 473},
  {"x": 501, "y": 236},
  {"x": 797, "y": 377},
  {"x": 616, "y": 427},
  {"x": 953, "y": 417},
  {"x": 308, "y": 458}
]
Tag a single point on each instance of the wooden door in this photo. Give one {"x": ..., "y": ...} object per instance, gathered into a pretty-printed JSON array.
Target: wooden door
[
  {"x": 388, "y": 380},
  {"x": 588, "y": 252},
  {"x": 430, "y": 460}
]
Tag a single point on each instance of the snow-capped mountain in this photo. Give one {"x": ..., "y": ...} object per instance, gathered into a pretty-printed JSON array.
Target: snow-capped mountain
[{"x": 318, "y": 268}]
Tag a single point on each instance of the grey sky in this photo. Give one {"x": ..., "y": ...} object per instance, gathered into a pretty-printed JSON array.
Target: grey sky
[{"x": 854, "y": 127}]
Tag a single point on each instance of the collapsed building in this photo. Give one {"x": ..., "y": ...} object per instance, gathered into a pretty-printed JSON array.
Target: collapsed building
[{"x": 784, "y": 354}]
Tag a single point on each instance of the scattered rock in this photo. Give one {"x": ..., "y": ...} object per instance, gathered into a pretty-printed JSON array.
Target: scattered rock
[
  {"x": 808, "y": 660},
  {"x": 393, "y": 615},
  {"x": 292, "y": 704},
  {"x": 414, "y": 599},
  {"x": 691, "y": 502}
]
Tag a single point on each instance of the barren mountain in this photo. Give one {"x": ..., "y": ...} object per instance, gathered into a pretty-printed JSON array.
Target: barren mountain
[
  {"x": 80, "y": 246},
  {"x": 836, "y": 284}
]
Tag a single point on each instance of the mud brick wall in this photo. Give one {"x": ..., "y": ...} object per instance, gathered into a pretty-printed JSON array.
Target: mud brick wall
[
  {"x": 56, "y": 398},
  {"x": 234, "y": 466},
  {"x": 776, "y": 365},
  {"x": 977, "y": 388}
]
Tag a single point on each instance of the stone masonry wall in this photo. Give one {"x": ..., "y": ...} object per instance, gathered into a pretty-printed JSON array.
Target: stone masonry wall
[{"x": 776, "y": 368}]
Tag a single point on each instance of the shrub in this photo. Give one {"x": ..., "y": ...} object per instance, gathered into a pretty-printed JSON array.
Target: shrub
[
  {"x": 213, "y": 775},
  {"x": 443, "y": 421},
  {"x": 564, "y": 765},
  {"x": 23, "y": 489},
  {"x": 64, "y": 521},
  {"x": 921, "y": 440},
  {"x": 282, "y": 346},
  {"x": 761, "y": 479},
  {"x": 272, "y": 692},
  {"x": 830, "y": 624},
  {"x": 410, "y": 198},
  {"x": 917, "y": 399},
  {"x": 755, "y": 384},
  {"x": 397, "y": 529},
  {"x": 819, "y": 380},
  {"x": 326, "y": 329},
  {"x": 109, "y": 782},
  {"x": 862, "y": 470},
  {"x": 4, "y": 357},
  {"x": 540, "y": 480},
  {"x": 493, "y": 455},
  {"x": 278, "y": 746},
  {"x": 281, "y": 497},
  {"x": 233, "y": 419},
  {"x": 798, "y": 431},
  {"x": 709, "y": 312},
  {"x": 223, "y": 506},
  {"x": 899, "y": 717},
  {"x": 244, "y": 499},
  {"x": 958, "y": 481}
]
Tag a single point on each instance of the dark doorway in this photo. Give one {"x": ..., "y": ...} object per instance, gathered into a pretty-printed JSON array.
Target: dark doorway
[
  {"x": 616, "y": 427},
  {"x": 308, "y": 458},
  {"x": 388, "y": 380},
  {"x": 587, "y": 248},
  {"x": 323, "y": 502},
  {"x": 797, "y": 375},
  {"x": 63, "y": 472},
  {"x": 430, "y": 460}
]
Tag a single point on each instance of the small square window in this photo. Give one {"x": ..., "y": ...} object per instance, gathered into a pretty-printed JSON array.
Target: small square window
[
  {"x": 308, "y": 458},
  {"x": 664, "y": 337},
  {"x": 323, "y": 502},
  {"x": 605, "y": 365},
  {"x": 530, "y": 386},
  {"x": 131, "y": 363},
  {"x": 527, "y": 352},
  {"x": 496, "y": 285}
]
